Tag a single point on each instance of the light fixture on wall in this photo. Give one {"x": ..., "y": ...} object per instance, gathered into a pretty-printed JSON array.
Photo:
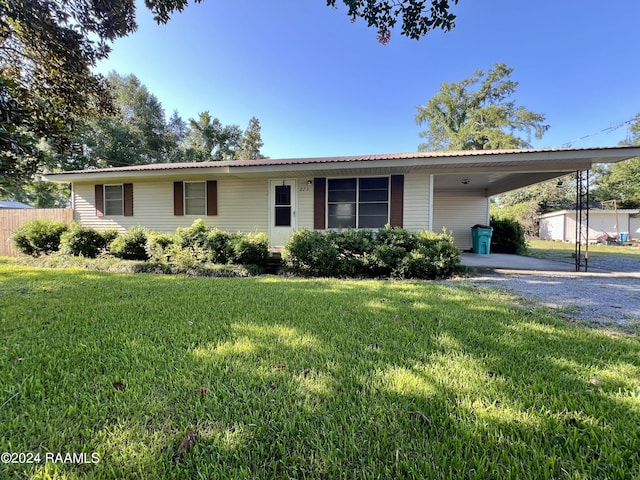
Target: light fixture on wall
[
  {"x": 309, "y": 182},
  {"x": 466, "y": 181}
]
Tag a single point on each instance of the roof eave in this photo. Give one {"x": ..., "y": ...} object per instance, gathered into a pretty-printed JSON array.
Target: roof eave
[{"x": 563, "y": 159}]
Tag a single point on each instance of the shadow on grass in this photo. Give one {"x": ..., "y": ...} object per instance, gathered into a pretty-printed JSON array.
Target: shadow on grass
[{"x": 287, "y": 378}]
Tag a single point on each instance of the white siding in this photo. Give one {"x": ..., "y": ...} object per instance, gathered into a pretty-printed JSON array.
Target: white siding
[
  {"x": 458, "y": 212},
  {"x": 563, "y": 226},
  {"x": 416, "y": 201},
  {"x": 606, "y": 222},
  {"x": 634, "y": 226},
  {"x": 242, "y": 206},
  {"x": 553, "y": 228},
  {"x": 305, "y": 205}
]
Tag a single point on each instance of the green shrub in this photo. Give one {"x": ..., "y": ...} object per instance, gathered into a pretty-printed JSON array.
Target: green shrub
[
  {"x": 184, "y": 259},
  {"x": 507, "y": 237},
  {"x": 39, "y": 237},
  {"x": 250, "y": 249},
  {"x": 310, "y": 253},
  {"x": 109, "y": 236},
  {"x": 384, "y": 259},
  {"x": 193, "y": 236},
  {"x": 158, "y": 247},
  {"x": 396, "y": 237},
  {"x": 390, "y": 252},
  {"x": 132, "y": 245},
  {"x": 416, "y": 264},
  {"x": 199, "y": 245},
  {"x": 84, "y": 241},
  {"x": 220, "y": 245},
  {"x": 440, "y": 251},
  {"x": 392, "y": 245},
  {"x": 352, "y": 245}
]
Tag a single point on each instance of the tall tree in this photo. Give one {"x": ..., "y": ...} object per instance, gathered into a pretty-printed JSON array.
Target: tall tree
[
  {"x": 47, "y": 50},
  {"x": 621, "y": 181},
  {"x": 138, "y": 133},
  {"x": 209, "y": 139},
  {"x": 478, "y": 113},
  {"x": 251, "y": 142}
]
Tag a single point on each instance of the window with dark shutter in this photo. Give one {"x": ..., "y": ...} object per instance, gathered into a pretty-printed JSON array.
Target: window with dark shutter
[
  {"x": 319, "y": 203},
  {"x": 178, "y": 198},
  {"x": 113, "y": 200},
  {"x": 128, "y": 199},
  {"x": 99, "y": 198},
  {"x": 195, "y": 198},
  {"x": 358, "y": 202},
  {"x": 396, "y": 209},
  {"x": 212, "y": 197}
]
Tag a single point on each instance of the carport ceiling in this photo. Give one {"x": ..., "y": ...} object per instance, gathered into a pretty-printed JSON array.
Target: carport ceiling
[{"x": 492, "y": 183}]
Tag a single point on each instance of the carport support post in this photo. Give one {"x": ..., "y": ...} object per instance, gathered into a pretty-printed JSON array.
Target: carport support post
[{"x": 582, "y": 219}]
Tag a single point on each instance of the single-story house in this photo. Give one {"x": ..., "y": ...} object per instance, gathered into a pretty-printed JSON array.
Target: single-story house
[
  {"x": 561, "y": 225},
  {"x": 9, "y": 205},
  {"x": 417, "y": 191}
]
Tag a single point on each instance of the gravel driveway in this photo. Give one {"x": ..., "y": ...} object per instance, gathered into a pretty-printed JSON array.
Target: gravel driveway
[{"x": 608, "y": 294}]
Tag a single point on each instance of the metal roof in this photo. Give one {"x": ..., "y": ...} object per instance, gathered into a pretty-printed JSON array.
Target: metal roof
[
  {"x": 8, "y": 204},
  {"x": 391, "y": 157}
]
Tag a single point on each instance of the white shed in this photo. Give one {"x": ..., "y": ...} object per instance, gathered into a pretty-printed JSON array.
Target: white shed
[{"x": 561, "y": 225}]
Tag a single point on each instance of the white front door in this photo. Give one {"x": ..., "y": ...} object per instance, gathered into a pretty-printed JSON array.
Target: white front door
[{"x": 282, "y": 211}]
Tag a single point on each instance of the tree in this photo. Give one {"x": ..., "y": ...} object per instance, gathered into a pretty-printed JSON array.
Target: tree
[
  {"x": 417, "y": 17},
  {"x": 460, "y": 117},
  {"x": 251, "y": 142},
  {"x": 209, "y": 139},
  {"x": 176, "y": 136},
  {"x": 138, "y": 133},
  {"x": 47, "y": 50},
  {"x": 621, "y": 181}
]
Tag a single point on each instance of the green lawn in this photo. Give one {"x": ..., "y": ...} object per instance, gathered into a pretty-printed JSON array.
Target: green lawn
[
  {"x": 296, "y": 378},
  {"x": 549, "y": 249}
]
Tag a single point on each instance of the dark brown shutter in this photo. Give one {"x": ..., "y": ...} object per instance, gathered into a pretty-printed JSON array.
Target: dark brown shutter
[
  {"x": 212, "y": 197},
  {"x": 99, "y": 201},
  {"x": 127, "y": 197},
  {"x": 178, "y": 198},
  {"x": 396, "y": 210},
  {"x": 319, "y": 203}
]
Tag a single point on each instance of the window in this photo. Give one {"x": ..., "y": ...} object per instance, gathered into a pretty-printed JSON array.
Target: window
[
  {"x": 113, "y": 200},
  {"x": 358, "y": 202},
  {"x": 283, "y": 206},
  {"x": 195, "y": 199}
]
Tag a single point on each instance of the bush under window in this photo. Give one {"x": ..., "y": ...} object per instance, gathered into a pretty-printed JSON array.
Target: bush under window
[{"x": 389, "y": 252}]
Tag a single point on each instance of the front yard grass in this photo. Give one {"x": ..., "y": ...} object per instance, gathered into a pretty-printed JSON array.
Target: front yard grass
[
  {"x": 550, "y": 249},
  {"x": 296, "y": 378}
]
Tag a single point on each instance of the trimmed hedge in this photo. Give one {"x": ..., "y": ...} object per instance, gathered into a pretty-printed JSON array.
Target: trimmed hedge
[
  {"x": 507, "y": 236},
  {"x": 198, "y": 245},
  {"x": 132, "y": 245},
  {"x": 39, "y": 237},
  {"x": 389, "y": 252},
  {"x": 83, "y": 241}
]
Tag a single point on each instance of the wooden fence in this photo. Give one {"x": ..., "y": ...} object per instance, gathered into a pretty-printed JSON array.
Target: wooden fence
[{"x": 11, "y": 219}]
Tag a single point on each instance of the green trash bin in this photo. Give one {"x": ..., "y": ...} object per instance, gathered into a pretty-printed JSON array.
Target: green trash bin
[{"x": 481, "y": 239}]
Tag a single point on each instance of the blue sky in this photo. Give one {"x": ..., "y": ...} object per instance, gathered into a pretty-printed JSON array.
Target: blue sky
[{"x": 324, "y": 86}]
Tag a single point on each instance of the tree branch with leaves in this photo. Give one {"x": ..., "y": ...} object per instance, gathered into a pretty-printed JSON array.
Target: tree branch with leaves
[{"x": 478, "y": 113}]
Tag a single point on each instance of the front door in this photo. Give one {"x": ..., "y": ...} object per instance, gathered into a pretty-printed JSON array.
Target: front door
[{"x": 282, "y": 211}]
